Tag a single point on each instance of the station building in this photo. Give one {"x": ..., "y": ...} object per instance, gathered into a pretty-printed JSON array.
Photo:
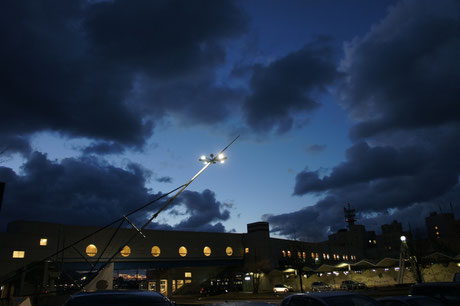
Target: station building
[
  {"x": 172, "y": 260},
  {"x": 182, "y": 262}
]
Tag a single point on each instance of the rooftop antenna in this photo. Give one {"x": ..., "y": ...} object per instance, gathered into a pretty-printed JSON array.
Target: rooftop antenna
[{"x": 349, "y": 215}]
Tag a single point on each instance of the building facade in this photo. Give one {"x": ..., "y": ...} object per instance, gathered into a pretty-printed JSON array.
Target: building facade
[{"x": 40, "y": 256}]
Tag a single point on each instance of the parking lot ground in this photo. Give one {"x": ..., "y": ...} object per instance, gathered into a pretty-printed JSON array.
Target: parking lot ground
[{"x": 242, "y": 298}]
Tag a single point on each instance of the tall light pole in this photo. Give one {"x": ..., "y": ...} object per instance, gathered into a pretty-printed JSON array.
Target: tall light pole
[
  {"x": 220, "y": 157},
  {"x": 402, "y": 258},
  {"x": 406, "y": 252}
]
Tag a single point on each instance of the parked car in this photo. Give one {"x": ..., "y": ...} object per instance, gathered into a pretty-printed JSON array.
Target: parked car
[
  {"x": 408, "y": 300},
  {"x": 352, "y": 285},
  {"x": 329, "y": 298},
  {"x": 114, "y": 297},
  {"x": 456, "y": 277},
  {"x": 279, "y": 288},
  {"x": 213, "y": 290},
  {"x": 320, "y": 286},
  {"x": 446, "y": 292}
]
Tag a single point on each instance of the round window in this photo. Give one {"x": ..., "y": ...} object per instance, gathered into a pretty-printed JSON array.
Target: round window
[
  {"x": 91, "y": 250},
  {"x": 126, "y": 251},
  {"x": 207, "y": 251},
  {"x": 183, "y": 251},
  {"x": 229, "y": 251},
  {"x": 156, "y": 251}
]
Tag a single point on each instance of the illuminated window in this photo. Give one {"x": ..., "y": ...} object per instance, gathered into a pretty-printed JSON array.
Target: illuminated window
[
  {"x": 91, "y": 250},
  {"x": 324, "y": 256},
  {"x": 180, "y": 283},
  {"x": 299, "y": 255},
  {"x": 289, "y": 254},
  {"x": 304, "y": 255},
  {"x": 327, "y": 256},
  {"x": 19, "y": 254},
  {"x": 126, "y": 251},
  {"x": 284, "y": 253},
  {"x": 375, "y": 241},
  {"x": 183, "y": 251},
  {"x": 156, "y": 251},
  {"x": 335, "y": 257},
  {"x": 370, "y": 241},
  {"x": 435, "y": 227},
  {"x": 437, "y": 233},
  {"x": 229, "y": 251},
  {"x": 316, "y": 255},
  {"x": 188, "y": 274},
  {"x": 312, "y": 255},
  {"x": 43, "y": 241},
  {"x": 207, "y": 251},
  {"x": 188, "y": 281},
  {"x": 246, "y": 250}
]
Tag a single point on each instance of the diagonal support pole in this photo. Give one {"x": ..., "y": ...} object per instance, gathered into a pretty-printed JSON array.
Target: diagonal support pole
[{"x": 208, "y": 163}]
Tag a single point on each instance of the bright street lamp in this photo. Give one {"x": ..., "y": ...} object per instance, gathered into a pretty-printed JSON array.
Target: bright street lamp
[
  {"x": 403, "y": 238},
  {"x": 213, "y": 159}
]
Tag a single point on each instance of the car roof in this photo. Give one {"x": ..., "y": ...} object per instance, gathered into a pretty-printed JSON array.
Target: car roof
[
  {"x": 438, "y": 284},
  {"x": 119, "y": 292},
  {"x": 134, "y": 297},
  {"x": 405, "y": 297},
  {"x": 324, "y": 294}
]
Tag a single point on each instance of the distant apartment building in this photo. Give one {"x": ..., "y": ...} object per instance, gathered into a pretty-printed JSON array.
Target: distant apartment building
[{"x": 443, "y": 232}]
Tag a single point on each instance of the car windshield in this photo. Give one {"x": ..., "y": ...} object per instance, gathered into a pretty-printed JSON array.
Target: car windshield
[{"x": 350, "y": 300}]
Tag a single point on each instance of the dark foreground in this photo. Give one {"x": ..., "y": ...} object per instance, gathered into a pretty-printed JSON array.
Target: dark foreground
[
  {"x": 232, "y": 298},
  {"x": 241, "y": 298}
]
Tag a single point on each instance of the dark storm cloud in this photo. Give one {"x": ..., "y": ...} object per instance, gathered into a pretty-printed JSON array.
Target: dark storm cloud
[
  {"x": 79, "y": 191},
  {"x": 72, "y": 67},
  {"x": 363, "y": 164},
  {"x": 400, "y": 86},
  {"x": 289, "y": 86},
  {"x": 163, "y": 38},
  {"x": 14, "y": 143},
  {"x": 89, "y": 191},
  {"x": 203, "y": 210},
  {"x": 404, "y": 73}
]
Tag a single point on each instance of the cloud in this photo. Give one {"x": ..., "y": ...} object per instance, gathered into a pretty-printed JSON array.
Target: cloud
[
  {"x": 14, "y": 143},
  {"x": 289, "y": 86},
  {"x": 205, "y": 213},
  {"x": 163, "y": 38},
  {"x": 74, "y": 68},
  {"x": 76, "y": 190},
  {"x": 164, "y": 179},
  {"x": 364, "y": 163},
  {"x": 399, "y": 89},
  {"x": 316, "y": 148},
  {"x": 90, "y": 191},
  {"x": 104, "y": 148},
  {"x": 402, "y": 74}
]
